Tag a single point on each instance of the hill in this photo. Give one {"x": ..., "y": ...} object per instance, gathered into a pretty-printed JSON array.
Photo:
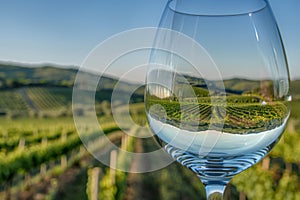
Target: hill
[
  {"x": 47, "y": 90},
  {"x": 14, "y": 76}
]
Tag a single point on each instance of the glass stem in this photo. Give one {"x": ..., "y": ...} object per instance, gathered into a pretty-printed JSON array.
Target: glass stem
[{"x": 215, "y": 191}]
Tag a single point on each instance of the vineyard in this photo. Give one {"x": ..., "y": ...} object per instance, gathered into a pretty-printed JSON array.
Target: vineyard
[
  {"x": 38, "y": 157},
  {"x": 50, "y": 98},
  {"x": 34, "y": 101},
  {"x": 19, "y": 104},
  {"x": 54, "y": 101},
  {"x": 28, "y": 151},
  {"x": 42, "y": 156},
  {"x": 49, "y": 149}
]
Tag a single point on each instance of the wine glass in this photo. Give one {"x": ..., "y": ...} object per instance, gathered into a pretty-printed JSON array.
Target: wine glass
[{"x": 217, "y": 87}]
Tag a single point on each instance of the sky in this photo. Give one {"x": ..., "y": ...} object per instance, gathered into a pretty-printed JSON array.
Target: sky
[{"x": 65, "y": 31}]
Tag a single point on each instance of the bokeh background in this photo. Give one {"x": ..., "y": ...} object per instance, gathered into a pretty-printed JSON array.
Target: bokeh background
[{"x": 42, "y": 44}]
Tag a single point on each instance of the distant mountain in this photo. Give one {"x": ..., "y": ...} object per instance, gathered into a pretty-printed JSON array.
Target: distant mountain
[{"x": 13, "y": 76}]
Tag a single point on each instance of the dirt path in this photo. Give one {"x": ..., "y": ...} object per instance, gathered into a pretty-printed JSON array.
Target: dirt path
[
  {"x": 72, "y": 184},
  {"x": 142, "y": 185},
  {"x": 134, "y": 182}
]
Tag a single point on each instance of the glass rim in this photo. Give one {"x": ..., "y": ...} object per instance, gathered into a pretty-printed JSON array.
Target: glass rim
[{"x": 191, "y": 7}]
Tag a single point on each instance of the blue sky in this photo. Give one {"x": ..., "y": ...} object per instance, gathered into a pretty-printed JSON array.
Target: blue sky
[{"x": 65, "y": 31}]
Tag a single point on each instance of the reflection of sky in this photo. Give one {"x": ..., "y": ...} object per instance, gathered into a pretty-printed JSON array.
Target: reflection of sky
[{"x": 64, "y": 32}]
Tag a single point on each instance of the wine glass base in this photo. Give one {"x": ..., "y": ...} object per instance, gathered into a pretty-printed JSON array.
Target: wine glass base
[
  {"x": 216, "y": 170},
  {"x": 215, "y": 192}
]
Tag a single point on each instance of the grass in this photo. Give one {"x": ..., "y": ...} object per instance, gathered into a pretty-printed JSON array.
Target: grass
[{"x": 36, "y": 124}]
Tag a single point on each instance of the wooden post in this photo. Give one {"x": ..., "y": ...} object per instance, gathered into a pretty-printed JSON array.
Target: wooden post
[
  {"x": 5, "y": 134},
  {"x": 22, "y": 143},
  {"x": 45, "y": 141},
  {"x": 27, "y": 180},
  {"x": 63, "y": 161},
  {"x": 35, "y": 132},
  {"x": 64, "y": 137},
  {"x": 95, "y": 183},
  {"x": 124, "y": 142},
  {"x": 43, "y": 170},
  {"x": 266, "y": 163},
  {"x": 113, "y": 166},
  {"x": 51, "y": 164},
  {"x": 242, "y": 196}
]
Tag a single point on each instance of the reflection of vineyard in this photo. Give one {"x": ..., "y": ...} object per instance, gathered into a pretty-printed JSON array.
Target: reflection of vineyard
[{"x": 235, "y": 114}]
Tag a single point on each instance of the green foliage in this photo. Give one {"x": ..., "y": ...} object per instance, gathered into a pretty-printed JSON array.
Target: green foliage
[
  {"x": 138, "y": 114},
  {"x": 287, "y": 148},
  {"x": 295, "y": 109},
  {"x": 256, "y": 183},
  {"x": 34, "y": 156},
  {"x": 38, "y": 153},
  {"x": 259, "y": 184},
  {"x": 182, "y": 187},
  {"x": 12, "y": 142},
  {"x": 107, "y": 189}
]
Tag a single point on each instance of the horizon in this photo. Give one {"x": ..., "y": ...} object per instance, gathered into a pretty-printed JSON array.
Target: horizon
[{"x": 108, "y": 75}]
